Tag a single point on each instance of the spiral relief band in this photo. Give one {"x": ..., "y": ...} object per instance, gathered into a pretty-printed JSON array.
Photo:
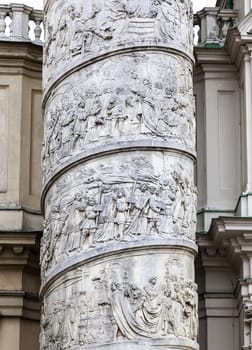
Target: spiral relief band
[{"x": 118, "y": 247}]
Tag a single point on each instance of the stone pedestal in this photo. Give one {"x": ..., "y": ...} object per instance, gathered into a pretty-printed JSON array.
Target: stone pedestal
[{"x": 120, "y": 205}]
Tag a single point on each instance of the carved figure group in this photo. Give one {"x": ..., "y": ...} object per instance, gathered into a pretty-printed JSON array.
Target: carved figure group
[
  {"x": 83, "y": 31},
  {"x": 111, "y": 206},
  {"x": 129, "y": 107},
  {"x": 110, "y": 305}
]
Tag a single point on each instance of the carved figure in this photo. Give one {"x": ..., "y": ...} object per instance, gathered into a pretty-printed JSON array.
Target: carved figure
[
  {"x": 66, "y": 28},
  {"x": 56, "y": 221},
  {"x": 248, "y": 312},
  {"x": 80, "y": 126},
  {"x": 155, "y": 207},
  {"x": 93, "y": 110},
  {"x": 121, "y": 210},
  {"x": 139, "y": 223},
  {"x": 73, "y": 222},
  {"x": 66, "y": 121},
  {"x": 89, "y": 224},
  {"x": 168, "y": 18},
  {"x": 106, "y": 233},
  {"x": 53, "y": 138},
  {"x": 168, "y": 199}
]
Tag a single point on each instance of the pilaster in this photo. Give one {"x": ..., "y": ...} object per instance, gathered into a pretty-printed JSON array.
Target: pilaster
[{"x": 20, "y": 180}]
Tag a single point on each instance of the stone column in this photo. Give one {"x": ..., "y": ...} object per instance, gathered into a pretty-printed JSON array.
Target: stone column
[{"x": 118, "y": 248}]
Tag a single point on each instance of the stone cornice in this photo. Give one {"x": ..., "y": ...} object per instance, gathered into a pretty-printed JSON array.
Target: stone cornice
[
  {"x": 228, "y": 237},
  {"x": 212, "y": 63},
  {"x": 211, "y": 55},
  {"x": 19, "y": 249},
  {"x": 19, "y": 255},
  {"x": 238, "y": 43},
  {"x": 239, "y": 40},
  {"x": 20, "y": 58}
]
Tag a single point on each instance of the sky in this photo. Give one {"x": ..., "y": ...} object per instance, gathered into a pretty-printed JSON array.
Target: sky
[{"x": 197, "y": 4}]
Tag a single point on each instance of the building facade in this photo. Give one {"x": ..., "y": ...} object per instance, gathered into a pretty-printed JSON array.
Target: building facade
[
  {"x": 222, "y": 84},
  {"x": 223, "y": 175}
]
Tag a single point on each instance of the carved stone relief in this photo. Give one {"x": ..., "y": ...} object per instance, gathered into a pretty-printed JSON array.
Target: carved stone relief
[
  {"x": 110, "y": 128},
  {"x": 74, "y": 31},
  {"x": 127, "y": 197},
  {"x": 122, "y": 300},
  {"x": 150, "y": 98}
]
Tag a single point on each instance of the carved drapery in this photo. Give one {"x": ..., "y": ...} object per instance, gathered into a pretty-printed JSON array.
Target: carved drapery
[{"x": 118, "y": 248}]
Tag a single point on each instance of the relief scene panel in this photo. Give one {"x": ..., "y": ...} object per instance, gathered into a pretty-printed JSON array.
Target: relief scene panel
[
  {"x": 127, "y": 299},
  {"x": 118, "y": 199},
  {"x": 82, "y": 30},
  {"x": 137, "y": 97}
]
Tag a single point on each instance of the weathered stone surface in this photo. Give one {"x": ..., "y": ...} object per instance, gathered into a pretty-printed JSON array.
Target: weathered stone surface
[
  {"x": 118, "y": 157},
  {"x": 104, "y": 104},
  {"x": 77, "y": 32},
  {"x": 141, "y": 296},
  {"x": 122, "y": 198}
]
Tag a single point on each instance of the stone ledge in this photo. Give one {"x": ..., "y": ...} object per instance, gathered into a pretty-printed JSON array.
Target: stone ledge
[
  {"x": 18, "y": 58},
  {"x": 172, "y": 343},
  {"x": 19, "y": 249},
  {"x": 19, "y": 304},
  {"x": 118, "y": 249},
  {"x": 108, "y": 149},
  {"x": 83, "y": 63}
]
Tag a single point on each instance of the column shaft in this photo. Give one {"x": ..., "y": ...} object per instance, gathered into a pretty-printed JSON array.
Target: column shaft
[{"x": 120, "y": 204}]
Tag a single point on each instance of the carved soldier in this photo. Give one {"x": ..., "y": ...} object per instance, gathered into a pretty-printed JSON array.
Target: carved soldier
[
  {"x": 121, "y": 215},
  {"x": 80, "y": 127},
  {"x": 56, "y": 219},
  {"x": 93, "y": 109},
  {"x": 179, "y": 201},
  {"x": 134, "y": 110},
  {"x": 115, "y": 116},
  {"x": 177, "y": 306},
  {"x": 53, "y": 138},
  {"x": 66, "y": 30},
  {"x": 190, "y": 324},
  {"x": 139, "y": 222},
  {"x": 89, "y": 224},
  {"x": 107, "y": 214},
  {"x": 144, "y": 96},
  {"x": 77, "y": 39},
  {"x": 50, "y": 48},
  {"x": 155, "y": 206},
  {"x": 66, "y": 121},
  {"x": 72, "y": 227},
  {"x": 168, "y": 323},
  {"x": 168, "y": 198}
]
